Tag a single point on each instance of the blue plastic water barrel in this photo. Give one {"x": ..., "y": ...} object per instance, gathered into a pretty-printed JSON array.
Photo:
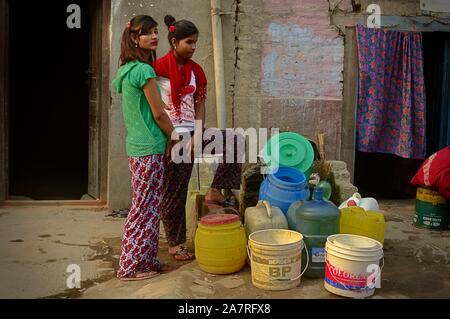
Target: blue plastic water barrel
[{"x": 284, "y": 187}]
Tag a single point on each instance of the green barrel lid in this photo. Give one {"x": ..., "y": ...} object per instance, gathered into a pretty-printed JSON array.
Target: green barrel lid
[{"x": 294, "y": 151}]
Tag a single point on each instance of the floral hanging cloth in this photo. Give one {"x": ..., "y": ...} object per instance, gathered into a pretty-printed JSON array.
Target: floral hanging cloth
[{"x": 391, "y": 103}]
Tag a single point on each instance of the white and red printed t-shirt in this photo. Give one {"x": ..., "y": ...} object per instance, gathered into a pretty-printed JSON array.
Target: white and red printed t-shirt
[{"x": 185, "y": 122}]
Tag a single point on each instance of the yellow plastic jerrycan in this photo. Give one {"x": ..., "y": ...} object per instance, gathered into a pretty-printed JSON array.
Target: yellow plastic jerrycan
[
  {"x": 355, "y": 220},
  {"x": 220, "y": 244}
]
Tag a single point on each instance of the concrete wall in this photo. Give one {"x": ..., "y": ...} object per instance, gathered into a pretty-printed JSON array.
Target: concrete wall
[
  {"x": 396, "y": 7},
  {"x": 402, "y": 7},
  {"x": 404, "y": 15},
  {"x": 119, "y": 189},
  {"x": 289, "y": 69}
]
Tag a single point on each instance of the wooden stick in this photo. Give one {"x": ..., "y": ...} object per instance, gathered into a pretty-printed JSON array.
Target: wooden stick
[{"x": 321, "y": 139}]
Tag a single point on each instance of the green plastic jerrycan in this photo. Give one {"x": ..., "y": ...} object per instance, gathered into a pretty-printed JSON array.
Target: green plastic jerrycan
[{"x": 315, "y": 220}]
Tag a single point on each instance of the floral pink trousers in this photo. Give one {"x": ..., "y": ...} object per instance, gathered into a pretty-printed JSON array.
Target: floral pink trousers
[{"x": 141, "y": 231}]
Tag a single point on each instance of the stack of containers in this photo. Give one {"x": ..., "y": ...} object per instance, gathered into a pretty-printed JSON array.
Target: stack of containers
[{"x": 290, "y": 157}]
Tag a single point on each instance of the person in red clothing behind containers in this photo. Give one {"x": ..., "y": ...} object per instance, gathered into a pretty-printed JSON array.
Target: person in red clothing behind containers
[{"x": 183, "y": 87}]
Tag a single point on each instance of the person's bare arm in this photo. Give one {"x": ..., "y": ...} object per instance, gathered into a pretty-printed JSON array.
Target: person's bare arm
[
  {"x": 199, "y": 108},
  {"x": 200, "y": 112}
]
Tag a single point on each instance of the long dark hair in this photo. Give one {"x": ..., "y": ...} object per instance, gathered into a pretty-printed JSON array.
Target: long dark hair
[
  {"x": 139, "y": 25},
  {"x": 183, "y": 28}
]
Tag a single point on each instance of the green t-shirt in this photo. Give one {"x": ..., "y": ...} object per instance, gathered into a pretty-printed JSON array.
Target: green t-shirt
[{"x": 144, "y": 135}]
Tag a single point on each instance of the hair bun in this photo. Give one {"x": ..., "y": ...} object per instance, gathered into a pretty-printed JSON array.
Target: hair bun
[{"x": 169, "y": 20}]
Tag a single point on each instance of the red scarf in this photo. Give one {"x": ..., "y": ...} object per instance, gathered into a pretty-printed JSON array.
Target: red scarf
[{"x": 180, "y": 79}]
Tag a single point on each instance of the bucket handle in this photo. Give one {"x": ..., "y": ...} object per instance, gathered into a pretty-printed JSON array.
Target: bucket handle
[
  {"x": 307, "y": 263},
  {"x": 234, "y": 210},
  {"x": 337, "y": 280},
  {"x": 292, "y": 279},
  {"x": 268, "y": 208}
]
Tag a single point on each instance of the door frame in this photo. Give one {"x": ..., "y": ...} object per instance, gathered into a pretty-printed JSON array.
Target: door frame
[
  {"x": 105, "y": 100},
  {"x": 98, "y": 114},
  {"x": 103, "y": 118},
  {"x": 4, "y": 95},
  {"x": 350, "y": 100}
]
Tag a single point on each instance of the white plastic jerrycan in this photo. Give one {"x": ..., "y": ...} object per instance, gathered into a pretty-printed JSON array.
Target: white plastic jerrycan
[
  {"x": 368, "y": 203},
  {"x": 352, "y": 201},
  {"x": 264, "y": 216}
]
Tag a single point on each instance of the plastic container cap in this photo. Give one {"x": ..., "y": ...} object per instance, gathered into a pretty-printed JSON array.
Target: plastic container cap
[
  {"x": 219, "y": 219},
  {"x": 354, "y": 242},
  {"x": 294, "y": 151}
]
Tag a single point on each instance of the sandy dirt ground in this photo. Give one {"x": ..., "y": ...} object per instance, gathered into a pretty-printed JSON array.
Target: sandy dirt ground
[{"x": 37, "y": 245}]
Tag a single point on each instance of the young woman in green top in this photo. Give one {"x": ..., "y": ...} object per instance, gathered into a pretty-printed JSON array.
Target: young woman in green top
[{"x": 148, "y": 130}]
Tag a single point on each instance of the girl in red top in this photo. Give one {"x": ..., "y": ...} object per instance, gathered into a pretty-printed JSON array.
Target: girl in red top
[{"x": 183, "y": 87}]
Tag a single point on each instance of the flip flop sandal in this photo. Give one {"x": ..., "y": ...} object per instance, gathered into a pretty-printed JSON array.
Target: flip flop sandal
[
  {"x": 141, "y": 276},
  {"x": 182, "y": 254}
]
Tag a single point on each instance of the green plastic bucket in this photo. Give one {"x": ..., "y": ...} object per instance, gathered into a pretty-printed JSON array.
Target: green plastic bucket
[{"x": 432, "y": 210}]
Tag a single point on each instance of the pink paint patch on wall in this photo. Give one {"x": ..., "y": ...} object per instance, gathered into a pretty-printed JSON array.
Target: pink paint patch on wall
[
  {"x": 303, "y": 55},
  {"x": 306, "y": 13}
]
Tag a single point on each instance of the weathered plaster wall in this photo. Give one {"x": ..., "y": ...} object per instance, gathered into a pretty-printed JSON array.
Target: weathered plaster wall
[
  {"x": 396, "y": 7},
  {"x": 289, "y": 70},
  {"x": 402, "y": 8},
  {"x": 119, "y": 189},
  {"x": 403, "y": 15}
]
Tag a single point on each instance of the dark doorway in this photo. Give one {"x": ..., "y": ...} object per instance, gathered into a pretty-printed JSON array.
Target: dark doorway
[
  {"x": 387, "y": 176},
  {"x": 48, "y": 101},
  {"x": 436, "y": 47}
]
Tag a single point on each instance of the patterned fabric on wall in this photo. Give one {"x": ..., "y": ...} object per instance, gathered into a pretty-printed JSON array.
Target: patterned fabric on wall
[{"x": 391, "y": 102}]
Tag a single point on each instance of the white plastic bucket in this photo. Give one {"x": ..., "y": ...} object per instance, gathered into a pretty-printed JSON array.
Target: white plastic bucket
[
  {"x": 276, "y": 258},
  {"x": 352, "y": 265}
]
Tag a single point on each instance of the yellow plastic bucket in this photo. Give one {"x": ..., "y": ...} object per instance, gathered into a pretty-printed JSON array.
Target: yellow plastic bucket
[
  {"x": 220, "y": 244},
  {"x": 352, "y": 265},
  {"x": 276, "y": 258}
]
